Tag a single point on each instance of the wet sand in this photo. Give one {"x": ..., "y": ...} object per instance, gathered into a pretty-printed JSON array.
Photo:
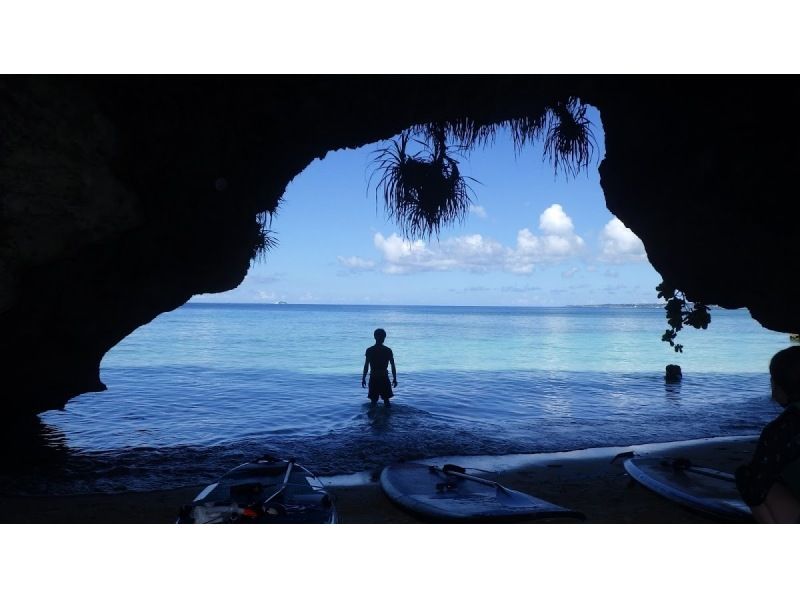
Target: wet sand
[{"x": 585, "y": 480}]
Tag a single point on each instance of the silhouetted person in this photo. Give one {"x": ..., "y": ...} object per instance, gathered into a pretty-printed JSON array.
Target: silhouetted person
[
  {"x": 378, "y": 358},
  {"x": 673, "y": 373},
  {"x": 770, "y": 483}
]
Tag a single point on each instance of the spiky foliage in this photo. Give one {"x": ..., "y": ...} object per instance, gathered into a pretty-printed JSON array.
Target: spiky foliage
[
  {"x": 569, "y": 141},
  {"x": 526, "y": 130},
  {"x": 422, "y": 193},
  {"x": 264, "y": 237},
  {"x": 467, "y": 133}
]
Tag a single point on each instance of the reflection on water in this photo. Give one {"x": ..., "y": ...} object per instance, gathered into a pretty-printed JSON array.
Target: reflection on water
[
  {"x": 379, "y": 417},
  {"x": 672, "y": 390}
]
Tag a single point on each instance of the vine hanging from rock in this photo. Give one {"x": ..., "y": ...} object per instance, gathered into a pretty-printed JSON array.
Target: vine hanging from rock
[{"x": 681, "y": 311}]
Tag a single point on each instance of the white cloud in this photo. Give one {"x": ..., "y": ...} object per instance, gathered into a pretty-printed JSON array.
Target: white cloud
[
  {"x": 479, "y": 211},
  {"x": 620, "y": 244},
  {"x": 477, "y": 253},
  {"x": 356, "y": 263},
  {"x": 558, "y": 242},
  {"x": 569, "y": 273},
  {"x": 554, "y": 221},
  {"x": 471, "y": 252}
]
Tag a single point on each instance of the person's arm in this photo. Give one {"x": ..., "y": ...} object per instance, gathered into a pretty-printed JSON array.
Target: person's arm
[
  {"x": 364, "y": 373},
  {"x": 394, "y": 369}
]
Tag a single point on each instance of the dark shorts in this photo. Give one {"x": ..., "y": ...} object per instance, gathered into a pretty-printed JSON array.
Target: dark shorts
[{"x": 380, "y": 387}]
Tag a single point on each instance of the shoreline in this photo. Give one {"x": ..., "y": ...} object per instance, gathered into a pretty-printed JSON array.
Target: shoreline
[{"x": 585, "y": 479}]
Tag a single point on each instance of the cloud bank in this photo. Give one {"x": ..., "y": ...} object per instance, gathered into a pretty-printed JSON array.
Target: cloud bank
[{"x": 556, "y": 241}]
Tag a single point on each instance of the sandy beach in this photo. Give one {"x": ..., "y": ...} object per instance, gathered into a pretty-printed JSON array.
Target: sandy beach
[{"x": 584, "y": 480}]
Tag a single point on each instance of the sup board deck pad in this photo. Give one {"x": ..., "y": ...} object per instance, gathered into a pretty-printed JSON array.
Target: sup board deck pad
[
  {"x": 437, "y": 494},
  {"x": 260, "y": 492},
  {"x": 702, "y": 489}
]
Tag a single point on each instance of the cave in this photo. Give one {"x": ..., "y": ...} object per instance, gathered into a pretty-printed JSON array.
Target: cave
[{"x": 121, "y": 197}]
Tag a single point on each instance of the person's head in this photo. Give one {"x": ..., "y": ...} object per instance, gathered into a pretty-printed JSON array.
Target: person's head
[
  {"x": 784, "y": 372},
  {"x": 380, "y": 335}
]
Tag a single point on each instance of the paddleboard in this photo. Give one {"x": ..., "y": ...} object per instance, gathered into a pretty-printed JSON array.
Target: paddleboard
[
  {"x": 701, "y": 489},
  {"x": 449, "y": 493},
  {"x": 267, "y": 490}
]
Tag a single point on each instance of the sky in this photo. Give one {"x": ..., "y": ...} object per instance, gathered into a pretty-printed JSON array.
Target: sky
[{"x": 533, "y": 237}]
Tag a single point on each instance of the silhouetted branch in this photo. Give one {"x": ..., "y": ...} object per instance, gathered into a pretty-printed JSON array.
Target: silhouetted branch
[
  {"x": 265, "y": 239},
  {"x": 680, "y": 311}
]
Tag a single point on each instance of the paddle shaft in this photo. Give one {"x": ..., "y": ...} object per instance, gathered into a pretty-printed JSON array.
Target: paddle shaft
[
  {"x": 466, "y": 476},
  {"x": 283, "y": 485},
  {"x": 720, "y": 475}
]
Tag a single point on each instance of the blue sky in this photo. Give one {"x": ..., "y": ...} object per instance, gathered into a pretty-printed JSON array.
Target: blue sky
[{"x": 533, "y": 237}]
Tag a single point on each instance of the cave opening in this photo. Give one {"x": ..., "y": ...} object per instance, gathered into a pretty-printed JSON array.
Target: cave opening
[{"x": 337, "y": 244}]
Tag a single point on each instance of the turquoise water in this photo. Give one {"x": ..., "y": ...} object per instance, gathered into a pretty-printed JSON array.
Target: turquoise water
[{"x": 204, "y": 387}]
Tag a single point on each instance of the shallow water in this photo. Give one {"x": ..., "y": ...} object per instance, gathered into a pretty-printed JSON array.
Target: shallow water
[{"x": 206, "y": 387}]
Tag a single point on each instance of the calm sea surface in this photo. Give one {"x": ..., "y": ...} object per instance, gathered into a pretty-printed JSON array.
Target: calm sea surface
[{"x": 206, "y": 387}]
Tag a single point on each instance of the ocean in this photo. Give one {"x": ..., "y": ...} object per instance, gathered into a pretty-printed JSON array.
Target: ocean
[{"x": 208, "y": 386}]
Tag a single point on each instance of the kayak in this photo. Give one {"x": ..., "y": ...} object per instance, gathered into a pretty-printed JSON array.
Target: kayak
[{"x": 268, "y": 490}]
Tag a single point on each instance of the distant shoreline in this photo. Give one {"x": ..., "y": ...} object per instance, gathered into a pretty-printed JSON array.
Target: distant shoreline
[{"x": 394, "y": 305}]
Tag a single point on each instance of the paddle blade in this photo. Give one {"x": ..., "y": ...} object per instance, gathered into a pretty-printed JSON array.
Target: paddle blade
[{"x": 512, "y": 498}]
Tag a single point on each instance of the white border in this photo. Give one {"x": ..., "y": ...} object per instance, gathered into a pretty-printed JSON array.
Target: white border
[{"x": 413, "y": 36}]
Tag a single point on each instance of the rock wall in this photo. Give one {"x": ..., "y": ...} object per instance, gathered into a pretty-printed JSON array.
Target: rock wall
[
  {"x": 121, "y": 197},
  {"x": 702, "y": 169}
]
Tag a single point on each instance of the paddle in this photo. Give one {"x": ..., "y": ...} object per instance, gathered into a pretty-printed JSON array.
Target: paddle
[
  {"x": 283, "y": 484},
  {"x": 681, "y": 463},
  {"x": 684, "y": 464},
  {"x": 509, "y": 496},
  {"x": 506, "y": 496}
]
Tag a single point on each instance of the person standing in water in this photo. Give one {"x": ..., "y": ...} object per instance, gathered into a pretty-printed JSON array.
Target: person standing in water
[
  {"x": 378, "y": 358},
  {"x": 770, "y": 482}
]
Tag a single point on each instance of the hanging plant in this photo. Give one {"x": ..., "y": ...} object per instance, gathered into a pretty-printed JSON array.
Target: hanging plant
[
  {"x": 264, "y": 237},
  {"x": 681, "y": 311},
  {"x": 569, "y": 141},
  {"x": 422, "y": 192}
]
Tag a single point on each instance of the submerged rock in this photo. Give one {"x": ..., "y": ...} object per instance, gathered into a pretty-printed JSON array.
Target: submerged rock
[{"x": 673, "y": 373}]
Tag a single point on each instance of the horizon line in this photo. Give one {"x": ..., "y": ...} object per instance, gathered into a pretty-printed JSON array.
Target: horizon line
[{"x": 423, "y": 304}]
